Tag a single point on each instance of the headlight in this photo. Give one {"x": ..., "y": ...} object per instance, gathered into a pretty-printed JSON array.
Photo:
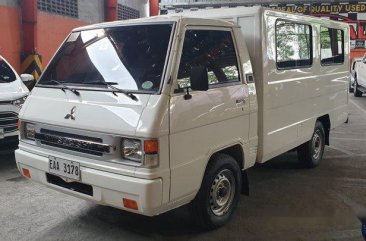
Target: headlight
[
  {"x": 19, "y": 102},
  {"x": 29, "y": 131},
  {"x": 145, "y": 153},
  {"x": 132, "y": 150}
]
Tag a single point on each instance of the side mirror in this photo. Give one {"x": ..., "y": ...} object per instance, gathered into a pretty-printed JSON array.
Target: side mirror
[
  {"x": 364, "y": 60},
  {"x": 199, "y": 78},
  {"x": 28, "y": 80}
]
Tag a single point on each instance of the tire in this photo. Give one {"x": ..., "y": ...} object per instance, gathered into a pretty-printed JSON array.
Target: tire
[
  {"x": 356, "y": 92},
  {"x": 219, "y": 193},
  {"x": 311, "y": 152},
  {"x": 350, "y": 87}
]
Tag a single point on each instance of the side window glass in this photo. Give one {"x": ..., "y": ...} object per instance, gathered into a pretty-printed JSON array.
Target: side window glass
[
  {"x": 212, "y": 49},
  {"x": 332, "y": 46},
  {"x": 293, "y": 45},
  {"x": 6, "y": 73}
]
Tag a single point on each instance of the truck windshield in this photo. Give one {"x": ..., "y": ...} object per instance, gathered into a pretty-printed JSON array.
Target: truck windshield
[
  {"x": 131, "y": 58},
  {"x": 6, "y": 73}
]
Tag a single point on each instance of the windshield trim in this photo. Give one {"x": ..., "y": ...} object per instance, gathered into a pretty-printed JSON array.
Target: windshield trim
[{"x": 86, "y": 88}]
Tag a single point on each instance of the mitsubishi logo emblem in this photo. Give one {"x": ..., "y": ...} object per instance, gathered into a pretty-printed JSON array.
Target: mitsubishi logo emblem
[{"x": 71, "y": 115}]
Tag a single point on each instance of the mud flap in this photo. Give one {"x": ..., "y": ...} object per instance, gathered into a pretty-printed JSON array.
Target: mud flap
[{"x": 244, "y": 183}]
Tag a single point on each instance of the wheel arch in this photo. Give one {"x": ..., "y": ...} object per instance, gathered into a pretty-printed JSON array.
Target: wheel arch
[{"x": 237, "y": 153}]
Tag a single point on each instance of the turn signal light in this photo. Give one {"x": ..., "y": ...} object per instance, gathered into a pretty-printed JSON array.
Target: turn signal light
[
  {"x": 131, "y": 204},
  {"x": 151, "y": 146},
  {"x": 18, "y": 124},
  {"x": 26, "y": 172}
]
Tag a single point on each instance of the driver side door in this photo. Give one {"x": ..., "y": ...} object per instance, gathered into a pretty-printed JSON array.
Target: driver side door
[{"x": 210, "y": 120}]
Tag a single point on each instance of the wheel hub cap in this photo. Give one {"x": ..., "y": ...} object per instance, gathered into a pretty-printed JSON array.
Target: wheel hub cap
[
  {"x": 317, "y": 145},
  {"x": 222, "y": 192}
]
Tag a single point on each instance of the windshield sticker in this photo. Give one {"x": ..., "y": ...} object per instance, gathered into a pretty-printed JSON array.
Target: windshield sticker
[
  {"x": 73, "y": 37},
  {"x": 147, "y": 85}
]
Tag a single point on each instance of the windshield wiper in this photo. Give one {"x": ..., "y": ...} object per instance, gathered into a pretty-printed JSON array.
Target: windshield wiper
[
  {"x": 115, "y": 89},
  {"x": 64, "y": 87}
]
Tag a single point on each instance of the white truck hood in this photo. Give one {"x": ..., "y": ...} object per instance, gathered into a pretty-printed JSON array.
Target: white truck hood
[
  {"x": 13, "y": 90},
  {"x": 94, "y": 111}
]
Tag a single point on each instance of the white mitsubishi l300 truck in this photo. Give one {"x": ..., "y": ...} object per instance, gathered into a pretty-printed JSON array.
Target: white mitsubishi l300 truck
[{"x": 151, "y": 114}]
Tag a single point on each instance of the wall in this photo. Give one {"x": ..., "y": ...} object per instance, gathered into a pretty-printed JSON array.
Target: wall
[
  {"x": 141, "y": 5},
  {"x": 91, "y": 11},
  {"x": 10, "y": 45}
]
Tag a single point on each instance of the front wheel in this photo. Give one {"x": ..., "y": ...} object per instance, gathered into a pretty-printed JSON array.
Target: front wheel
[
  {"x": 219, "y": 194},
  {"x": 310, "y": 153}
]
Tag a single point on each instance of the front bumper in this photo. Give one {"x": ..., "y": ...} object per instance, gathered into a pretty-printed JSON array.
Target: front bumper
[{"x": 107, "y": 188}]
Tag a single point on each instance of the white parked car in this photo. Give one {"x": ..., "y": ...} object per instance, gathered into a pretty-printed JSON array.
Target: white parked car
[
  {"x": 353, "y": 73},
  {"x": 359, "y": 86},
  {"x": 13, "y": 93}
]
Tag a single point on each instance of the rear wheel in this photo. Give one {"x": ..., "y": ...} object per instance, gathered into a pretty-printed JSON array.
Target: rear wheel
[
  {"x": 311, "y": 152},
  {"x": 219, "y": 194},
  {"x": 356, "y": 91}
]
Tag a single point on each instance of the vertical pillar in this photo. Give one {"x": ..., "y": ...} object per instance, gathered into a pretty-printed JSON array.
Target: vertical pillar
[
  {"x": 31, "y": 60},
  {"x": 110, "y": 9},
  {"x": 154, "y": 7},
  {"x": 144, "y": 8}
]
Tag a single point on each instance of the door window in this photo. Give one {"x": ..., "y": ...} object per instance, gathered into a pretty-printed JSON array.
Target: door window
[
  {"x": 212, "y": 49},
  {"x": 332, "y": 46}
]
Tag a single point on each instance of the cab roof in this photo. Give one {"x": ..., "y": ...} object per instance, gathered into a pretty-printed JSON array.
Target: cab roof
[{"x": 158, "y": 20}]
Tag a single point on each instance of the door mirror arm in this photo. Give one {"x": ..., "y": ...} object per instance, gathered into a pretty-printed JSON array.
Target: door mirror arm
[{"x": 187, "y": 96}]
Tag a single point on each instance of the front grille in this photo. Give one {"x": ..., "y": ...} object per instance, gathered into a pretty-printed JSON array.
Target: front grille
[
  {"x": 5, "y": 102},
  {"x": 74, "y": 186},
  {"x": 73, "y": 142},
  {"x": 8, "y": 121}
]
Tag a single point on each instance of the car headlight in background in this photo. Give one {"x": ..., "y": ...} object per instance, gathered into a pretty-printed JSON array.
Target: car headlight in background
[
  {"x": 142, "y": 152},
  {"x": 29, "y": 131},
  {"x": 19, "y": 102}
]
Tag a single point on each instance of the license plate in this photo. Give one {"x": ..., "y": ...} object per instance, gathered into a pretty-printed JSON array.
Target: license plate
[
  {"x": 64, "y": 168},
  {"x": 2, "y": 136}
]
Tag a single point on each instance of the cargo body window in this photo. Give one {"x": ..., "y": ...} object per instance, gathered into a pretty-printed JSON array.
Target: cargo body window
[
  {"x": 212, "y": 49},
  {"x": 332, "y": 46},
  {"x": 293, "y": 45}
]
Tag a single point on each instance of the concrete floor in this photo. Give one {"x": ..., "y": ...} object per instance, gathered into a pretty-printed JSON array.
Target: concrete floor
[{"x": 286, "y": 202}]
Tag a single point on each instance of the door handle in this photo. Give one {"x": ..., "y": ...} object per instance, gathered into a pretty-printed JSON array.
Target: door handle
[{"x": 239, "y": 101}]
